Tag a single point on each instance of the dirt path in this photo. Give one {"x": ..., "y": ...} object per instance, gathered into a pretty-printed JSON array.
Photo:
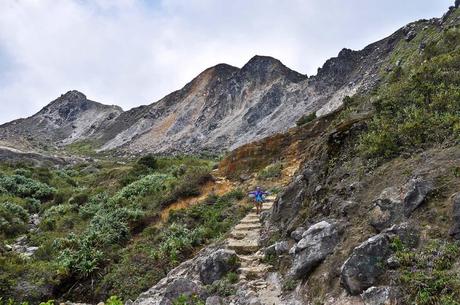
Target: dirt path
[{"x": 254, "y": 274}]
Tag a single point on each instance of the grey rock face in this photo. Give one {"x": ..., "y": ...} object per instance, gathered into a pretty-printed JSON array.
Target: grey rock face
[
  {"x": 316, "y": 244},
  {"x": 365, "y": 265},
  {"x": 182, "y": 286},
  {"x": 394, "y": 203},
  {"x": 368, "y": 261},
  {"x": 455, "y": 229},
  {"x": 69, "y": 118},
  {"x": 223, "y": 108},
  {"x": 410, "y": 35},
  {"x": 288, "y": 204},
  {"x": 385, "y": 211},
  {"x": 457, "y": 3},
  {"x": 380, "y": 296},
  {"x": 277, "y": 248},
  {"x": 417, "y": 190},
  {"x": 217, "y": 265}
]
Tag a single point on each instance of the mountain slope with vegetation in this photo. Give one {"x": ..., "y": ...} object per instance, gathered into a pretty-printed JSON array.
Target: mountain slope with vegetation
[
  {"x": 371, "y": 216},
  {"x": 367, "y": 207}
]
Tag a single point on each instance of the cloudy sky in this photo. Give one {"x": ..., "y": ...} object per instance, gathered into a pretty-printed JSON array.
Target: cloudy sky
[{"x": 133, "y": 52}]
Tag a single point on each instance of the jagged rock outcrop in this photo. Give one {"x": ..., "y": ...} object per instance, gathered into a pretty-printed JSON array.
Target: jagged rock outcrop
[
  {"x": 367, "y": 263},
  {"x": 215, "y": 266},
  {"x": 385, "y": 295},
  {"x": 394, "y": 204},
  {"x": 316, "y": 244}
]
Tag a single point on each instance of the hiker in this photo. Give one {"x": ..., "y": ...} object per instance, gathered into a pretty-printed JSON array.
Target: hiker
[{"x": 258, "y": 195}]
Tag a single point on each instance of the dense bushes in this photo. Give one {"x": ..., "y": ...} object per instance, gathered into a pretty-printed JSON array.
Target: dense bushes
[
  {"x": 426, "y": 276},
  {"x": 25, "y": 187},
  {"x": 88, "y": 219},
  {"x": 13, "y": 219}
]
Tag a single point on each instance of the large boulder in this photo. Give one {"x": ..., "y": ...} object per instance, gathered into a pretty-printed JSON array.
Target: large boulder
[
  {"x": 182, "y": 287},
  {"x": 368, "y": 262},
  {"x": 386, "y": 208},
  {"x": 384, "y": 295},
  {"x": 277, "y": 248},
  {"x": 316, "y": 244},
  {"x": 455, "y": 229},
  {"x": 395, "y": 204},
  {"x": 417, "y": 190},
  {"x": 214, "y": 300},
  {"x": 285, "y": 211},
  {"x": 217, "y": 264}
]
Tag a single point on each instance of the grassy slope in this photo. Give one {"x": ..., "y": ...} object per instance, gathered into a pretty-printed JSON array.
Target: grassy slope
[{"x": 98, "y": 233}]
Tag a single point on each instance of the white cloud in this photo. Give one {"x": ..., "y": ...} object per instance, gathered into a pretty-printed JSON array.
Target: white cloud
[{"x": 132, "y": 52}]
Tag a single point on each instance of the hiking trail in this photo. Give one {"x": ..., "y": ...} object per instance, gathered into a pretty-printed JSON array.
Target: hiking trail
[{"x": 254, "y": 273}]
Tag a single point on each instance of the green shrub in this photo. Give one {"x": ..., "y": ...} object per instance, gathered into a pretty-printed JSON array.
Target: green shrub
[
  {"x": 80, "y": 255},
  {"x": 271, "y": 171},
  {"x": 148, "y": 161},
  {"x": 26, "y": 187},
  {"x": 427, "y": 276},
  {"x": 13, "y": 219},
  {"x": 154, "y": 183},
  {"x": 114, "y": 300},
  {"x": 189, "y": 184},
  {"x": 223, "y": 287},
  {"x": 188, "y": 300},
  {"x": 306, "y": 119}
]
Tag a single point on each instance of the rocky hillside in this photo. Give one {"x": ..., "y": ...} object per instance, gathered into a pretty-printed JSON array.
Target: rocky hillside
[
  {"x": 370, "y": 217},
  {"x": 222, "y": 108}
]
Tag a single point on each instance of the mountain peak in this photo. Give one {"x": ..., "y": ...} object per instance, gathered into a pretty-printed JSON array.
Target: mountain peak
[
  {"x": 73, "y": 95},
  {"x": 261, "y": 60},
  {"x": 269, "y": 67}
]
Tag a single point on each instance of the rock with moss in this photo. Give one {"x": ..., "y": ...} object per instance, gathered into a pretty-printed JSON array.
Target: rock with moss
[
  {"x": 367, "y": 263},
  {"x": 216, "y": 265}
]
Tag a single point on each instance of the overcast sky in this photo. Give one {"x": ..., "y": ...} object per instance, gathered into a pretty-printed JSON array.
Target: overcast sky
[{"x": 129, "y": 52}]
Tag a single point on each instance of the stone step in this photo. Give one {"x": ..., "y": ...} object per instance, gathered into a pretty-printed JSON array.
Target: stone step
[
  {"x": 239, "y": 234},
  {"x": 248, "y": 258},
  {"x": 255, "y": 220},
  {"x": 254, "y": 271},
  {"x": 248, "y": 226},
  {"x": 252, "y": 216},
  {"x": 244, "y": 246}
]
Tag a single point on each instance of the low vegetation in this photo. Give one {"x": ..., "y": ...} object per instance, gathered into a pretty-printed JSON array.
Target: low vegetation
[
  {"x": 99, "y": 223},
  {"x": 427, "y": 276},
  {"x": 417, "y": 106},
  {"x": 306, "y": 119}
]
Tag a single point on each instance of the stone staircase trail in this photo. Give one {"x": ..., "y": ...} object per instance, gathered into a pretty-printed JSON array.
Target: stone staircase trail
[{"x": 245, "y": 241}]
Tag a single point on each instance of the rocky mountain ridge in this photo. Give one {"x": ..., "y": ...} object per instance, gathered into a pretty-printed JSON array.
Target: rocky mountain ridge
[{"x": 223, "y": 108}]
